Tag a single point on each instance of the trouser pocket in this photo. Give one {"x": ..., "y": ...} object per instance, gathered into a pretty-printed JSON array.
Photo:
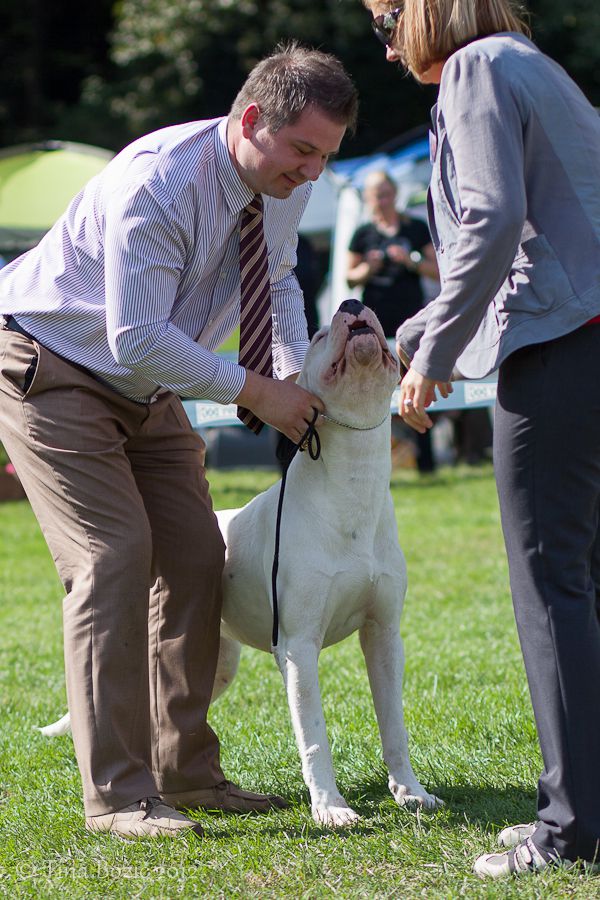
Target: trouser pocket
[{"x": 19, "y": 360}]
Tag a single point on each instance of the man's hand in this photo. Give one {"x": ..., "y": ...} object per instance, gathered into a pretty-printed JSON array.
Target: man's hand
[
  {"x": 416, "y": 394},
  {"x": 282, "y": 404}
]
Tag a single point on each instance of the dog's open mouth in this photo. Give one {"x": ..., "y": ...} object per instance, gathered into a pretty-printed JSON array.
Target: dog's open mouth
[{"x": 359, "y": 327}]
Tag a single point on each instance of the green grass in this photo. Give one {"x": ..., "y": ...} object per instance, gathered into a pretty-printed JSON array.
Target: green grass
[
  {"x": 467, "y": 710},
  {"x": 232, "y": 344}
]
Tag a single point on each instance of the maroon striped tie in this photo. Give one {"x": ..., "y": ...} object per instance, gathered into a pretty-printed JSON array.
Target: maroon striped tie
[{"x": 255, "y": 302}]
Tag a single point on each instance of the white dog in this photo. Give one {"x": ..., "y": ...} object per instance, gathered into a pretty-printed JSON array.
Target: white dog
[{"x": 340, "y": 566}]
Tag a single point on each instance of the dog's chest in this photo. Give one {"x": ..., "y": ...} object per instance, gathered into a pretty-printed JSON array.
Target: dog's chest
[{"x": 350, "y": 598}]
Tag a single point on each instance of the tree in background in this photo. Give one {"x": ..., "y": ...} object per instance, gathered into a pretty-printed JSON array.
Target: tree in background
[
  {"x": 179, "y": 60},
  {"x": 186, "y": 60},
  {"x": 46, "y": 52},
  {"x": 105, "y": 73}
]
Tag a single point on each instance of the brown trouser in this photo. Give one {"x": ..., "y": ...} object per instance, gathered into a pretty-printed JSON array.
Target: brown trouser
[{"x": 120, "y": 493}]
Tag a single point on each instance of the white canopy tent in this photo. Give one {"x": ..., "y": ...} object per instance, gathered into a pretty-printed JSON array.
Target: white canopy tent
[{"x": 335, "y": 208}]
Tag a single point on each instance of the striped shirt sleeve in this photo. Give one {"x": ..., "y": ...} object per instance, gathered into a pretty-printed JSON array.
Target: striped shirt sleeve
[{"x": 146, "y": 245}]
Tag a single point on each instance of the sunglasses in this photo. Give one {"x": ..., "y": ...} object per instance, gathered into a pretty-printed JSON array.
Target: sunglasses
[{"x": 385, "y": 25}]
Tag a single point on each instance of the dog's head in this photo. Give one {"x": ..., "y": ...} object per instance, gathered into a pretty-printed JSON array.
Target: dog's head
[{"x": 350, "y": 366}]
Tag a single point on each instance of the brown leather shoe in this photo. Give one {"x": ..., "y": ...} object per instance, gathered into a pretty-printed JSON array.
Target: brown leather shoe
[
  {"x": 149, "y": 818},
  {"x": 225, "y": 796}
]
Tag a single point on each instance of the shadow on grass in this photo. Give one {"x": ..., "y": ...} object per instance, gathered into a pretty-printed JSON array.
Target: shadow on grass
[
  {"x": 487, "y": 807},
  {"x": 447, "y": 475}
]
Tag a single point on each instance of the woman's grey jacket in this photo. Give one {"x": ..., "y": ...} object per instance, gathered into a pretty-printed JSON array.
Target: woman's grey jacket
[{"x": 514, "y": 209}]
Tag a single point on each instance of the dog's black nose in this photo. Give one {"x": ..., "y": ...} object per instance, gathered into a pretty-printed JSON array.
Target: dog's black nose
[{"x": 354, "y": 307}]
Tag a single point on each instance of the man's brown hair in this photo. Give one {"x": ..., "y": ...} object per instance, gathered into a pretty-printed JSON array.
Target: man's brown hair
[{"x": 293, "y": 78}]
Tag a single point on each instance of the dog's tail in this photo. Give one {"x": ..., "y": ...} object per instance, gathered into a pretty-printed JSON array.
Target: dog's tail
[{"x": 56, "y": 729}]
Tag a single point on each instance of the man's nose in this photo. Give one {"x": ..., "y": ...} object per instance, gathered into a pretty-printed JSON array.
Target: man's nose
[{"x": 313, "y": 168}]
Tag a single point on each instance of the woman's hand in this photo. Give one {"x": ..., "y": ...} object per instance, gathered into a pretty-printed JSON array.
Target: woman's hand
[
  {"x": 399, "y": 255},
  {"x": 417, "y": 393},
  {"x": 360, "y": 268},
  {"x": 375, "y": 260}
]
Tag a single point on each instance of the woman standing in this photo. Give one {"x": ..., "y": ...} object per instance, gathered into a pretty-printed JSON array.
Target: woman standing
[
  {"x": 514, "y": 210},
  {"x": 387, "y": 257}
]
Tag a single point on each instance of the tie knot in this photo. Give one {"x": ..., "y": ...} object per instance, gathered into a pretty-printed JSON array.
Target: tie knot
[{"x": 255, "y": 207}]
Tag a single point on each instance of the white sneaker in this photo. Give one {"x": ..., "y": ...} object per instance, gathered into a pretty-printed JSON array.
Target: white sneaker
[
  {"x": 149, "y": 818},
  {"x": 525, "y": 857},
  {"x": 514, "y": 834}
]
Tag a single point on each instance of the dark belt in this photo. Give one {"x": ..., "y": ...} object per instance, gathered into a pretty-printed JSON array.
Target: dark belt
[{"x": 11, "y": 324}]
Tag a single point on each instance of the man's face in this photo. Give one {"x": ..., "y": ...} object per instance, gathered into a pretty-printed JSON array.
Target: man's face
[{"x": 275, "y": 164}]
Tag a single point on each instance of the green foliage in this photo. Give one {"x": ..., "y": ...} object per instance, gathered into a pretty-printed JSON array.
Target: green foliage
[
  {"x": 186, "y": 60},
  {"x": 569, "y": 30},
  {"x": 120, "y": 69},
  {"x": 467, "y": 711}
]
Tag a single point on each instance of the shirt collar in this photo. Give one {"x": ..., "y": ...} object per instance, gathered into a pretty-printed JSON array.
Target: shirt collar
[{"x": 237, "y": 193}]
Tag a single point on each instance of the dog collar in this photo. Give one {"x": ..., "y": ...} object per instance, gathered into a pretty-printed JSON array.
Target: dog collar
[{"x": 355, "y": 427}]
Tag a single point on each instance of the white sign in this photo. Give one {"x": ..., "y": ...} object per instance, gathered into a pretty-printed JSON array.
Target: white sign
[
  {"x": 214, "y": 413},
  {"x": 478, "y": 393}
]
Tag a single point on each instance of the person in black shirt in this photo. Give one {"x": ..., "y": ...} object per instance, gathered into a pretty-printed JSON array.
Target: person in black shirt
[
  {"x": 307, "y": 273},
  {"x": 387, "y": 257}
]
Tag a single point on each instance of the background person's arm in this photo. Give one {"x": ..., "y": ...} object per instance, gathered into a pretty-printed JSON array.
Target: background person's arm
[{"x": 362, "y": 267}]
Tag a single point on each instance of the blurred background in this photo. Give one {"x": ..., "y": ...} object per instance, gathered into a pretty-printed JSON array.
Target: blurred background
[
  {"x": 79, "y": 81},
  {"x": 105, "y": 72}
]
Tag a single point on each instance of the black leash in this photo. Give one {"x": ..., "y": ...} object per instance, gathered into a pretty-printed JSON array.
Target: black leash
[{"x": 286, "y": 450}]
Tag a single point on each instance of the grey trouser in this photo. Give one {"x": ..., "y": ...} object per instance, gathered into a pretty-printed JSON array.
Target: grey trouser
[
  {"x": 547, "y": 460},
  {"x": 120, "y": 493}
]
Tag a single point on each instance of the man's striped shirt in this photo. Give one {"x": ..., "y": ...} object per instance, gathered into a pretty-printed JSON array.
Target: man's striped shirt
[{"x": 139, "y": 280}]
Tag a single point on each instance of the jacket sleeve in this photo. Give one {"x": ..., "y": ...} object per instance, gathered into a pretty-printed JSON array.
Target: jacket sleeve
[{"x": 484, "y": 127}]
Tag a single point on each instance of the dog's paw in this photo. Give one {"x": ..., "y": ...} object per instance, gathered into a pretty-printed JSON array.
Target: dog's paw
[
  {"x": 335, "y": 816},
  {"x": 414, "y": 796}
]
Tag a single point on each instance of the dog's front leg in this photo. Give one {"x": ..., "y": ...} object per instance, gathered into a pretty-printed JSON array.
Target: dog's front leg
[
  {"x": 298, "y": 663},
  {"x": 384, "y": 656}
]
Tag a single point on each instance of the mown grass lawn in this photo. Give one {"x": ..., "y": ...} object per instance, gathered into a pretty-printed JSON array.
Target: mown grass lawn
[{"x": 467, "y": 710}]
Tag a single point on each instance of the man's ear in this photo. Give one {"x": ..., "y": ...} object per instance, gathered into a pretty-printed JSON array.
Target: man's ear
[{"x": 249, "y": 120}]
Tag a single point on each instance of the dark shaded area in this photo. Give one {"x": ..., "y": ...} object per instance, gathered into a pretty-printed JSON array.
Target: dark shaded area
[{"x": 103, "y": 73}]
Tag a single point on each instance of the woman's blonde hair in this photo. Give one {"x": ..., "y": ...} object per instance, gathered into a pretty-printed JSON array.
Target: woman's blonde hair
[{"x": 429, "y": 31}]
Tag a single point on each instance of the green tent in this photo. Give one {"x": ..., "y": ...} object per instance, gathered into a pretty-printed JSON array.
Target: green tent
[{"x": 37, "y": 181}]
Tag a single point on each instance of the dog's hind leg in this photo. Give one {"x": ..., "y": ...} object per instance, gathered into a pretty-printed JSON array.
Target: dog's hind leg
[
  {"x": 384, "y": 655},
  {"x": 227, "y": 665},
  {"x": 298, "y": 663}
]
